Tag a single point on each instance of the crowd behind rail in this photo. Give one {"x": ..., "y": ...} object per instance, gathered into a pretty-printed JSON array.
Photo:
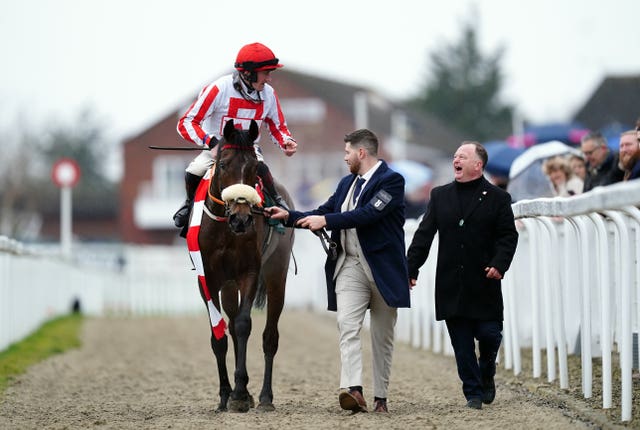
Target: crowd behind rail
[{"x": 570, "y": 171}]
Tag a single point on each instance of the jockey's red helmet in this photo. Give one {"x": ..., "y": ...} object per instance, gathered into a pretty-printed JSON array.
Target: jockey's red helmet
[{"x": 255, "y": 57}]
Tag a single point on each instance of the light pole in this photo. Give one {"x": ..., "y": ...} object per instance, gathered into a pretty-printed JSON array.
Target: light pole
[{"x": 65, "y": 175}]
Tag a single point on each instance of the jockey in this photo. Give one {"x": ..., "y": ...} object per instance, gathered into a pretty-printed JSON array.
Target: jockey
[{"x": 244, "y": 95}]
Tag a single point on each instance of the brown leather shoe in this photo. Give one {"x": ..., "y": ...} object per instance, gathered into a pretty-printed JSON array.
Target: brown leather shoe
[
  {"x": 352, "y": 400},
  {"x": 380, "y": 406}
]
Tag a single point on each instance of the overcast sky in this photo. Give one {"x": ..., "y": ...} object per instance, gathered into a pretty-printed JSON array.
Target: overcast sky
[{"x": 133, "y": 61}]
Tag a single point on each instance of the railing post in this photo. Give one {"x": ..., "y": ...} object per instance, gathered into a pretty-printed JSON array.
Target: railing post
[
  {"x": 626, "y": 339},
  {"x": 555, "y": 294},
  {"x": 532, "y": 229},
  {"x": 605, "y": 308},
  {"x": 585, "y": 315}
]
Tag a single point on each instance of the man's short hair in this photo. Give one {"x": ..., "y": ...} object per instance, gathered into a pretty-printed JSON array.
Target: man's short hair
[
  {"x": 363, "y": 138},
  {"x": 481, "y": 152},
  {"x": 596, "y": 137}
]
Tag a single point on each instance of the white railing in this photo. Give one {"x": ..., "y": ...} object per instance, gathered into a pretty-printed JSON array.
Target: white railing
[
  {"x": 36, "y": 287},
  {"x": 573, "y": 281}
]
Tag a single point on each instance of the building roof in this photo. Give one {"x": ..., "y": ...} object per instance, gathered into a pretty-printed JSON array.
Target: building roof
[{"x": 615, "y": 101}]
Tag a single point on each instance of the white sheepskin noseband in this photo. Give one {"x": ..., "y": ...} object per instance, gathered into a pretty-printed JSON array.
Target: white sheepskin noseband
[{"x": 241, "y": 191}]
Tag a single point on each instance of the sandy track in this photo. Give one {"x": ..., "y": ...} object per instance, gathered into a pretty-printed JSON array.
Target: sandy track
[{"x": 160, "y": 373}]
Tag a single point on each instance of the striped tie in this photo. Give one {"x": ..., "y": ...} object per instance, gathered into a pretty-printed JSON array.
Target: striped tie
[{"x": 356, "y": 191}]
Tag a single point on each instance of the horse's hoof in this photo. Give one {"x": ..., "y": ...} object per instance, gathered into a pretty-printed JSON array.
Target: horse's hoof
[
  {"x": 239, "y": 405},
  {"x": 266, "y": 407},
  {"x": 221, "y": 409}
]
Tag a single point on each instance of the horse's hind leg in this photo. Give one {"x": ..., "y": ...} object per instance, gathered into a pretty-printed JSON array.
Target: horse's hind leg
[
  {"x": 270, "y": 339},
  {"x": 220, "y": 348}
]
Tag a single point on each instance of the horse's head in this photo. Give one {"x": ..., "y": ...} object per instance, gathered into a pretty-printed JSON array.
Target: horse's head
[{"x": 235, "y": 175}]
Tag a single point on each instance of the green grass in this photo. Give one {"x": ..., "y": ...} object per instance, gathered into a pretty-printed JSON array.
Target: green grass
[{"x": 54, "y": 337}]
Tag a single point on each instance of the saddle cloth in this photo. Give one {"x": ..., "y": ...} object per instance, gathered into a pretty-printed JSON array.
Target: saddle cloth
[{"x": 218, "y": 325}]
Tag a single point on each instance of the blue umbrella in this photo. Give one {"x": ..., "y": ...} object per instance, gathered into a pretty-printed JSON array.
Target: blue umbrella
[
  {"x": 415, "y": 174},
  {"x": 567, "y": 132},
  {"x": 501, "y": 155}
]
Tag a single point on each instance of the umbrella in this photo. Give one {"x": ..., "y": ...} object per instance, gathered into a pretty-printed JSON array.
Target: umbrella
[
  {"x": 526, "y": 179},
  {"x": 567, "y": 132},
  {"x": 415, "y": 174},
  {"x": 501, "y": 155}
]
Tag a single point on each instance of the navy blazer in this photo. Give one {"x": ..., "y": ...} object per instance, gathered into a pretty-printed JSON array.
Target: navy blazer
[{"x": 379, "y": 222}]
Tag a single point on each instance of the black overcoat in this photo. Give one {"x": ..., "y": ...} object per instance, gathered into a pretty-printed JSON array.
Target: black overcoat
[{"x": 483, "y": 236}]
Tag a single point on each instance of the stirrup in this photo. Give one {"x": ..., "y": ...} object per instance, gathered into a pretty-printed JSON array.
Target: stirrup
[{"x": 181, "y": 217}]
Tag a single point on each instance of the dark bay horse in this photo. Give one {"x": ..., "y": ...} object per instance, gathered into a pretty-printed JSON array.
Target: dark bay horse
[{"x": 245, "y": 260}]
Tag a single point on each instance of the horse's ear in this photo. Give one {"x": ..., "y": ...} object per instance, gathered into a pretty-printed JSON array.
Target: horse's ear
[
  {"x": 253, "y": 130},
  {"x": 229, "y": 128}
]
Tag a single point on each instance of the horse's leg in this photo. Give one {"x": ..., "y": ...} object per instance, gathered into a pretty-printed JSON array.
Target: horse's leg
[
  {"x": 241, "y": 400},
  {"x": 270, "y": 337},
  {"x": 219, "y": 348}
]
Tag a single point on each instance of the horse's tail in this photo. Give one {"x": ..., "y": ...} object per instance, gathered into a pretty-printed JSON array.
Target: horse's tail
[{"x": 261, "y": 295}]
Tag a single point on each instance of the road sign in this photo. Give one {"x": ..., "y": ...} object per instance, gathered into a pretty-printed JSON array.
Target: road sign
[{"x": 65, "y": 172}]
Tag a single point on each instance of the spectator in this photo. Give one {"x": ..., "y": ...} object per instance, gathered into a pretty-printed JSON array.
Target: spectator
[
  {"x": 630, "y": 155},
  {"x": 602, "y": 164},
  {"x": 366, "y": 216},
  {"x": 564, "y": 183},
  {"x": 578, "y": 166},
  {"x": 477, "y": 241}
]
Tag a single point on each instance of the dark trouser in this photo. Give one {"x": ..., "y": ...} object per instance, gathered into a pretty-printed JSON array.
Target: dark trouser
[
  {"x": 472, "y": 369},
  {"x": 267, "y": 181}
]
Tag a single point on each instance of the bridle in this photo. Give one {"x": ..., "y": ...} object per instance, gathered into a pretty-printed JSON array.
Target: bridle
[
  {"x": 329, "y": 246},
  {"x": 215, "y": 180}
]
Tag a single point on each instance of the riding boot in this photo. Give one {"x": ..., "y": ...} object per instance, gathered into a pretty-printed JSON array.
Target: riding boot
[
  {"x": 181, "y": 217},
  {"x": 267, "y": 181}
]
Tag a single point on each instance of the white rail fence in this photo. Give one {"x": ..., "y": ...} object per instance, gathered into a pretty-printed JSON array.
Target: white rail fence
[{"x": 572, "y": 288}]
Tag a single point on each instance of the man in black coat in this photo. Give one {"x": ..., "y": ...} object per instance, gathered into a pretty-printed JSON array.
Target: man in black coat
[
  {"x": 602, "y": 163},
  {"x": 477, "y": 241}
]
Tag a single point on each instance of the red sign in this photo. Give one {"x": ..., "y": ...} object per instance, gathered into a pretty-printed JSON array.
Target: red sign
[{"x": 65, "y": 172}]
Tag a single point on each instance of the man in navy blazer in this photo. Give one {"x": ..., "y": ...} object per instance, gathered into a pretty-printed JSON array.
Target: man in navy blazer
[
  {"x": 366, "y": 217},
  {"x": 477, "y": 242}
]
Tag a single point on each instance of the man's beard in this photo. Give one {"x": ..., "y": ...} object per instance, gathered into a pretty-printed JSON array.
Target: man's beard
[
  {"x": 354, "y": 167},
  {"x": 629, "y": 162}
]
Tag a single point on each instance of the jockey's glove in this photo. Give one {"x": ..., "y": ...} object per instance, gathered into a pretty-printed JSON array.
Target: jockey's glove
[{"x": 210, "y": 140}]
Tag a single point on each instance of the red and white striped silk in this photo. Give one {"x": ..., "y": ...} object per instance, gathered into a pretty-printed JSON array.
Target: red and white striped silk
[
  {"x": 218, "y": 325},
  {"x": 220, "y": 101}
]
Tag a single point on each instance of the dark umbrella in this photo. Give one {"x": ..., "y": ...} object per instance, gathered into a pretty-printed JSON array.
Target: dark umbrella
[
  {"x": 566, "y": 132},
  {"x": 501, "y": 155}
]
